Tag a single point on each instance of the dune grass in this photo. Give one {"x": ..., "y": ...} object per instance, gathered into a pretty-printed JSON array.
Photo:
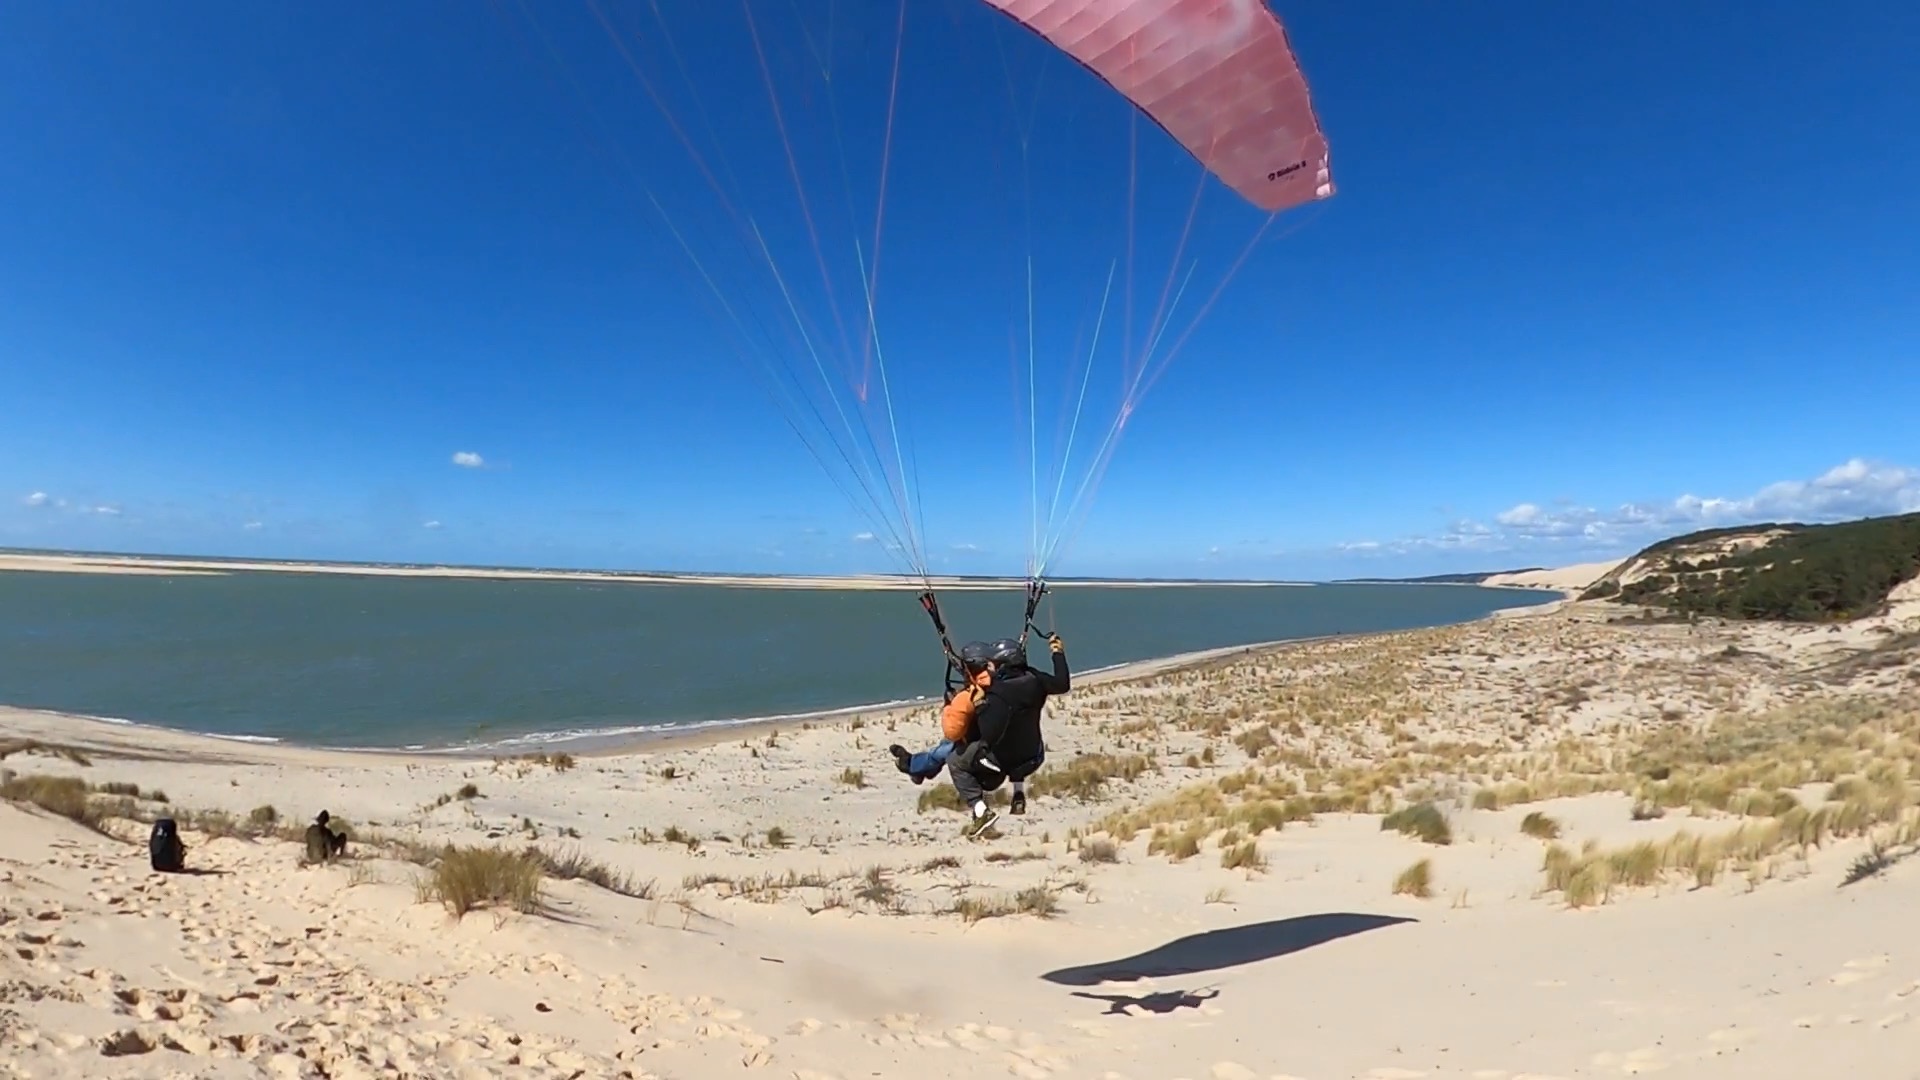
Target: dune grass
[
  {"x": 1540, "y": 826},
  {"x": 1415, "y": 881},
  {"x": 1422, "y": 821},
  {"x": 1040, "y": 901},
  {"x": 466, "y": 879}
]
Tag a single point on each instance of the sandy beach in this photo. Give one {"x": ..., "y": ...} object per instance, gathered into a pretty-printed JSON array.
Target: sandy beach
[
  {"x": 142, "y": 564},
  {"x": 1556, "y": 843}
]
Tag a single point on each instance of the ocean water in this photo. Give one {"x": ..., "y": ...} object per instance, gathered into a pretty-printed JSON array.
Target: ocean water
[{"x": 332, "y": 660}]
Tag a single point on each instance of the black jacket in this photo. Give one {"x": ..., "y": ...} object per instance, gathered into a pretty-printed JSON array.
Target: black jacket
[{"x": 1008, "y": 718}]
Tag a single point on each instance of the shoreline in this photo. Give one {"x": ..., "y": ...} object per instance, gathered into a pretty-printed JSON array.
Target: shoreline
[
  {"x": 137, "y": 565},
  {"x": 121, "y": 737}
]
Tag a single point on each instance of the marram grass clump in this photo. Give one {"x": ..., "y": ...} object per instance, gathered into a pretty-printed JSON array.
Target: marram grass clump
[{"x": 469, "y": 878}]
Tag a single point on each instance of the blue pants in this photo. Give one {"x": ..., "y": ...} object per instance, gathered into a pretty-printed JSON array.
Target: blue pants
[{"x": 927, "y": 764}]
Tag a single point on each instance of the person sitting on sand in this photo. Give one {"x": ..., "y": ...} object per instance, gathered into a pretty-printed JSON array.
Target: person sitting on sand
[
  {"x": 956, "y": 718},
  {"x": 323, "y": 844},
  {"x": 1007, "y": 745}
]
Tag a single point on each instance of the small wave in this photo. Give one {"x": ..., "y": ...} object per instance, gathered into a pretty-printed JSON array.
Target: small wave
[
  {"x": 265, "y": 740},
  {"x": 121, "y": 721}
]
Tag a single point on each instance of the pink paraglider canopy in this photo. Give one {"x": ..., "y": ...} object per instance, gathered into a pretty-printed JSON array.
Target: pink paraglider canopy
[{"x": 1218, "y": 75}]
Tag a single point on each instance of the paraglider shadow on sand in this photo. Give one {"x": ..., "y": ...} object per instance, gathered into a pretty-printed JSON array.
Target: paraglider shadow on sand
[
  {"x": 1161, "y": 1003},
  {"x": 1212, "y": 950}
]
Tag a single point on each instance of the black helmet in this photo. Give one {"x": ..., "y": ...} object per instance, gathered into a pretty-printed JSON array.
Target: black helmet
[
  {"x": 974, "y": 655},
  {"x": 1008, "y": 653}
]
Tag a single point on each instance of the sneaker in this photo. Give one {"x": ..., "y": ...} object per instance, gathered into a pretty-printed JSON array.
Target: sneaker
[
  {"x": 901, "y": 759},
  {"x": 1019, "y": 803},
  {"x": 982, "y": 823}
]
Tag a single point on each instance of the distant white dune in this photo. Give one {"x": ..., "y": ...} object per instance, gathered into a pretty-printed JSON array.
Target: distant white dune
[{"x": 1567, "y": 579}]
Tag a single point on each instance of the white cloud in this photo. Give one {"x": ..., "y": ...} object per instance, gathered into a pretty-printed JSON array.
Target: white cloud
[
  {"x": 252, "y": 525},
  {"x": 107, "y": 511},
  {"x": 467, "y": 459},
  {"x": 1524, "y": 514},
  {"x": 430, "y": 524},
  {"x": 38, "y": 498},
  {"x": 863, "y": 538},
  {"x": 1855, "y": 489}
]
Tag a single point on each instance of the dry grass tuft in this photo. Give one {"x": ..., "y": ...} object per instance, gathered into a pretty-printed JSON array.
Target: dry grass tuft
[
  {"x": 63, "y": 796},
  {"x": 1099, "y": 851},
  {"x": 10, "y": 747},
  {"x": 469, "y": 878},
  {"x": 1040, "y": 901},
  {"x": 573, "y": 864},
  {"x": 1243, "y": 856},
  {"x": 1086, "y": 777},
  {"x": 1540, "y": 826},
  {"x": 1422, "y": 821},
  {"x": 1415, "y": 881}
]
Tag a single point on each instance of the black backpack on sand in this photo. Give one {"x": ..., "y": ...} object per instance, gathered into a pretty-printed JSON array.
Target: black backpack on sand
[{"x": 164, "y": 848}]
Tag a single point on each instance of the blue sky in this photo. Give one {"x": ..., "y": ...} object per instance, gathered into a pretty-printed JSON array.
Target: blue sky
[{"x": 1590, "y": 277}]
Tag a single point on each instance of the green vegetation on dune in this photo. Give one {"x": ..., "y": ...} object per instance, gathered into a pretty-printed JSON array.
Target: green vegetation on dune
[{"x": 1792, "y": 573}]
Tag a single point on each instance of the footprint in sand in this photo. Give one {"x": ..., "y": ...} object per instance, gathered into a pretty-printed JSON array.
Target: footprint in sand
[
  {"x": 1232, "y": 1070},
  {"x": 1646, "y": 1059},
  {"x": 1389, "y": 1072},
  {"x": 1854, "y": 971},
  {"x": 1731, "y": 1036}
]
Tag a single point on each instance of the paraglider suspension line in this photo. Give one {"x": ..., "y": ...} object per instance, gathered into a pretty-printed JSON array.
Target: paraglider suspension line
[{"x": 931, "y": 604}]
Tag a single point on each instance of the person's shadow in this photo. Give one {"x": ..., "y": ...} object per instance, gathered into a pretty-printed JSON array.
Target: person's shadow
[{"x": 1212, "y": 950}]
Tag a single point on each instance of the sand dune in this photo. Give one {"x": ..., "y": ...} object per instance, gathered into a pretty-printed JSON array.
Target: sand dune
[
  {"x": 1568, "y": 579},
  {"x": 798, "y": 920}
]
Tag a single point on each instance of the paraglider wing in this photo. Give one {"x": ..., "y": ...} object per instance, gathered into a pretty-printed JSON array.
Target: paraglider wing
[{"x": 1217, "y": 75}]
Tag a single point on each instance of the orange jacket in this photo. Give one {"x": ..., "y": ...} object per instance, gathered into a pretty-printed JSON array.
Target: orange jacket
[{"x": 957, "y": 717}]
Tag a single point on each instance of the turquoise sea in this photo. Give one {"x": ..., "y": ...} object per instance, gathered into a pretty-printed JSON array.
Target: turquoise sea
[{"x": 363, "y": 661}]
